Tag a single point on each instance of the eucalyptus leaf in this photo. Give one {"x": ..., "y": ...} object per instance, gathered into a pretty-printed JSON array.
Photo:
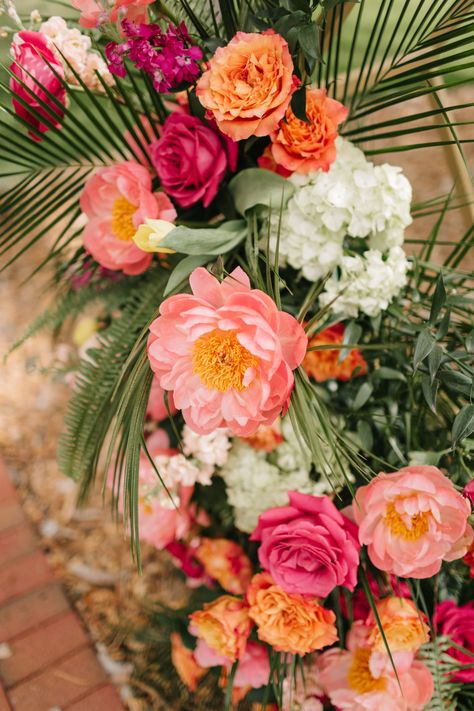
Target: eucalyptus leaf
[
  {"x": 219, "y": 240},
  {"x": 255, "y": 186}
]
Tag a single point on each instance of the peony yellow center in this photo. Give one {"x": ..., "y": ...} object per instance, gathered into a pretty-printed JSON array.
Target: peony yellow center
[
  {"x": 122, "y": 219},
  {"x": 221, "y": 361},
  {"x": 359, "y": 675},
  {"x": 412, "y": 529}
]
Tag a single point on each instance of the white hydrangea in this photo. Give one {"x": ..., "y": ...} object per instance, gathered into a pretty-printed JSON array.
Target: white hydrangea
[
  {"x": 178, "y": 469},
  {"x": 211, "y": 449},
  {"x": 367, "y": 283},
  {"x": 76, "y": 47},
  {"x": 353, "y": 198}
]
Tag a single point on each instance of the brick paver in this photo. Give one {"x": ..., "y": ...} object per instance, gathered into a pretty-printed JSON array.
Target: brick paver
[{"x": 50, "y": 661}]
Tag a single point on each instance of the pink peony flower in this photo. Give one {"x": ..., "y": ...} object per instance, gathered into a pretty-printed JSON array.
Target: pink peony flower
[
  {"x": 95, "y": 12},
  {"x": 308, "y": 547},
  {"x": 191, "y": 159},
  {"x": 226, "y": 353},
  {"x": 156, "y": 408},
  {"x": 117, "y": 200},
  {"x": 31, "y": 54},
  {"x": 457, "y": 623},
  {"x": 412, "y": 520}
]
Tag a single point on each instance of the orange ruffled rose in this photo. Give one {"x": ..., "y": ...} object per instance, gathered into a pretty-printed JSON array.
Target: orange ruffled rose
[
  {"x": 306, "y": 146},
  {"x": 289, "y": 623},
  {"x": 248, "y": 85},
  {"x": 224, "y": 625},
  {"x": 186, "y": 666},
  {"x": 404, "y": 626},
  {"x": 226, "y": 562},
  {"x": 324, "y": 364}
]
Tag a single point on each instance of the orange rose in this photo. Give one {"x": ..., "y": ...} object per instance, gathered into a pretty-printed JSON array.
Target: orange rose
[
  {"x": 248, "y": 85},
  {"x": 289, "y": 623},
  {"x": 266, "y": 438},
  {"x": 224, "y": 625},
  {"x": 226, "y": 562},
  {"x": 324, "y": 364},
  {"x": 306, "y": 146},
  {"x": 186, "y": 666},
  {"x": 404, "y": 626}
]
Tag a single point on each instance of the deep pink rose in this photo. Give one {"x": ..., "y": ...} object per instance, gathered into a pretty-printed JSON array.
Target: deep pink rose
[
  {"x": 191, "y": 159},
  {"x": 457, "y": 623},
  {"x": 31, "y": 56},
  {"x": 308, "y": 547},
  {"x": 469, "y": 492}
]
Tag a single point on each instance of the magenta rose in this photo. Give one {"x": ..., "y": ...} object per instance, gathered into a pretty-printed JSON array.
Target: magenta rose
[
  {"x": 191, "y": 159},
  {"x": 468, "y": 492},
  {"x": 31, "y": 56},
  {"x": 457, "y": 623},
  {"x": 308, "y": 547}
]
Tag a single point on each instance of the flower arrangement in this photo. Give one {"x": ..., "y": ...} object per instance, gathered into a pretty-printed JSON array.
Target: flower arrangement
[{"x": 280, "y": 385}]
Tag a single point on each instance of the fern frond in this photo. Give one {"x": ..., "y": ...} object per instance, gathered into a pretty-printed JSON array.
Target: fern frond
[{"x": 442, "y": 666}]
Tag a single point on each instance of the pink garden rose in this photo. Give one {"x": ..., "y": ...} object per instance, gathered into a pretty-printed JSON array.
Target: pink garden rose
[
  {"x": 95, "y": 12},
  {"x": 226, "y": 353},
  {"x": 116, "y": 201},
  {"x": 191, "y": 159},
  {"x": 156, "y": 408},
  {"x": 31, "y": 53},
  {"x": 308, "y": 547},
  {"x": 457, "y": 623},
  {"x": 412, "y": 520}
]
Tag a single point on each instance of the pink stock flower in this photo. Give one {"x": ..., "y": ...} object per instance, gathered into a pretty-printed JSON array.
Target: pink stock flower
[
  {"x": 457, "y": 623},
  {"x": 226, "y": 353},
  {"x": 31, "y": 55},
  {"x": 156, "y": 408},
  {"x": 412, "y": 520},
  {"x": 191, "y": 159},
  {"x": 97, "y": 12},
  {"x": 117, "y": 200},
  {"x": 308, "y": 547}
]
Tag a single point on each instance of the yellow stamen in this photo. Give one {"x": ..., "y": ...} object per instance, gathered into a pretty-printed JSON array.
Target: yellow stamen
[
  {"x": 221, "y": 361},
  {"x": 417, "y": 527},
  {"x": 359, "y": 675},
  {"x": 122, "y": 219}
]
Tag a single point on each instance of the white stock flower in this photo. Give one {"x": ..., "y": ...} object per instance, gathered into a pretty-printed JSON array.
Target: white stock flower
[
  {"x": 210, "y": 449},
  {"x": 180, "y": 470}
]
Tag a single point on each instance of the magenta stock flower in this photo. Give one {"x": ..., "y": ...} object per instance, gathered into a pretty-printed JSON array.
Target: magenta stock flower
[
  {"x": 308, "y": 547},
  {"x": 191, "y": 159},
  {"x": 32, "y": 58}
]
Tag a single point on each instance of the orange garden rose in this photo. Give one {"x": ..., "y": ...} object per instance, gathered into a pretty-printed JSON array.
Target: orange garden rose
[
  {"x": 186, "y": 666},
  {"x": 266, "y": 438},
  {"x": 248, "y": 85},
  {"x": 226, "y": 562},
  {"x": 404, "y": 626},
  {"x": 224, "y": 625},
  {"x": 289, "y": 623},
  {"x": 303, "y": 146},
  {"x": 324, "y": 364}
]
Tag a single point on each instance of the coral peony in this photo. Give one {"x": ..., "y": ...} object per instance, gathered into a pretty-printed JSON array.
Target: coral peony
[
  {"x": 191, "y": 159},
  {"x": 185, "y": 664},
  {"x": 226, "y": 352},
  {"x": 93, "y": 12},
  {"x": 308, "y": 547},
  {"x": 305, "y": 146},
  {"x": 32, "y": 57},
  {"x": 156, "y": 408},
  {"x": 404, "y": 626},
  {"x": 224, "y": 625},
  {"x": 289, "y": 623},
  {"x": 226, "y": 562},
  {"x": 116, "y": 201},
  {"x": 324, "y": 364},
  {"x": 248, "y": 85},
  {"x": 412, "y": 520},
  {"x": 457, "y": 623}
]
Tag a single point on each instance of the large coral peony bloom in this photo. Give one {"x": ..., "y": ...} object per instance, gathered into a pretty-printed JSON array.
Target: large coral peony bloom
[
  {"x": 305, "y": 146},
  {"x": 117, "y": 200},
  {"x": 324, "y": 364},
  {"x": 224, "y": 625},
  {"x": 289, "y": 623},
  {"x": 227, "y": 353},
  {"x": 412, "y": 520},
  {"x": 34, "y": 62},
  {"x": 248, "y": 85}
]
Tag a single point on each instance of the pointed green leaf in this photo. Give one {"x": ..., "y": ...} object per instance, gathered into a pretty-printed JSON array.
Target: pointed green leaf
[
  {"x": 424, "y": 345},
  {"x": 463, "y": 425}
]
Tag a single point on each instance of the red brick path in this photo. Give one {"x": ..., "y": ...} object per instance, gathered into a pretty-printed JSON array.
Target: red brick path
[{"x": 47, "y": 660}]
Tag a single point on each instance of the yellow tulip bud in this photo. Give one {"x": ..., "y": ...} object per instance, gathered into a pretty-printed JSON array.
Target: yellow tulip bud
[{"x": 150, "y": 234}]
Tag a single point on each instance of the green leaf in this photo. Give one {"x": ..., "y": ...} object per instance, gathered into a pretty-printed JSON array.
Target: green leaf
[
  {"x": 352, "y": 333},
  {"x": 430, "y": 391},
  {"x": 434, "y": 361},
  {"x": 363, "y": 394},
  {"x": 439, "y": 299},
  {"x": 183, "y": 269},
  {"x": 255, "y": 186},
  {"x": 209, "y": 241},
  {"x": 443, "y": 326},
  {"x": 308, "y": 37},
  {"x": 298, "y": 104},
  {"x": 470, "y": 342},
  {"x": 463, "y": 425},
  {"x": 416, "y": 458},
  {"x": 424, "y": 345},
  {"x": 389, "y": 374}
]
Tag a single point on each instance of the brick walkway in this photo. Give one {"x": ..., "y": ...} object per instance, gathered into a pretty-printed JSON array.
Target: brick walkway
[{"x": 47, "y": 661}]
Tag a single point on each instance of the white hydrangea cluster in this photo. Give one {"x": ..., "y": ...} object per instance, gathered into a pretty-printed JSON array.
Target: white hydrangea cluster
[
  {"x": 211, "y": 449},
  {"x": 367, "y": 283},
  {"x": 76, "y": 47},
  {"x": 354, "y": 199},
  {"x": 180, "y": 470}
]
